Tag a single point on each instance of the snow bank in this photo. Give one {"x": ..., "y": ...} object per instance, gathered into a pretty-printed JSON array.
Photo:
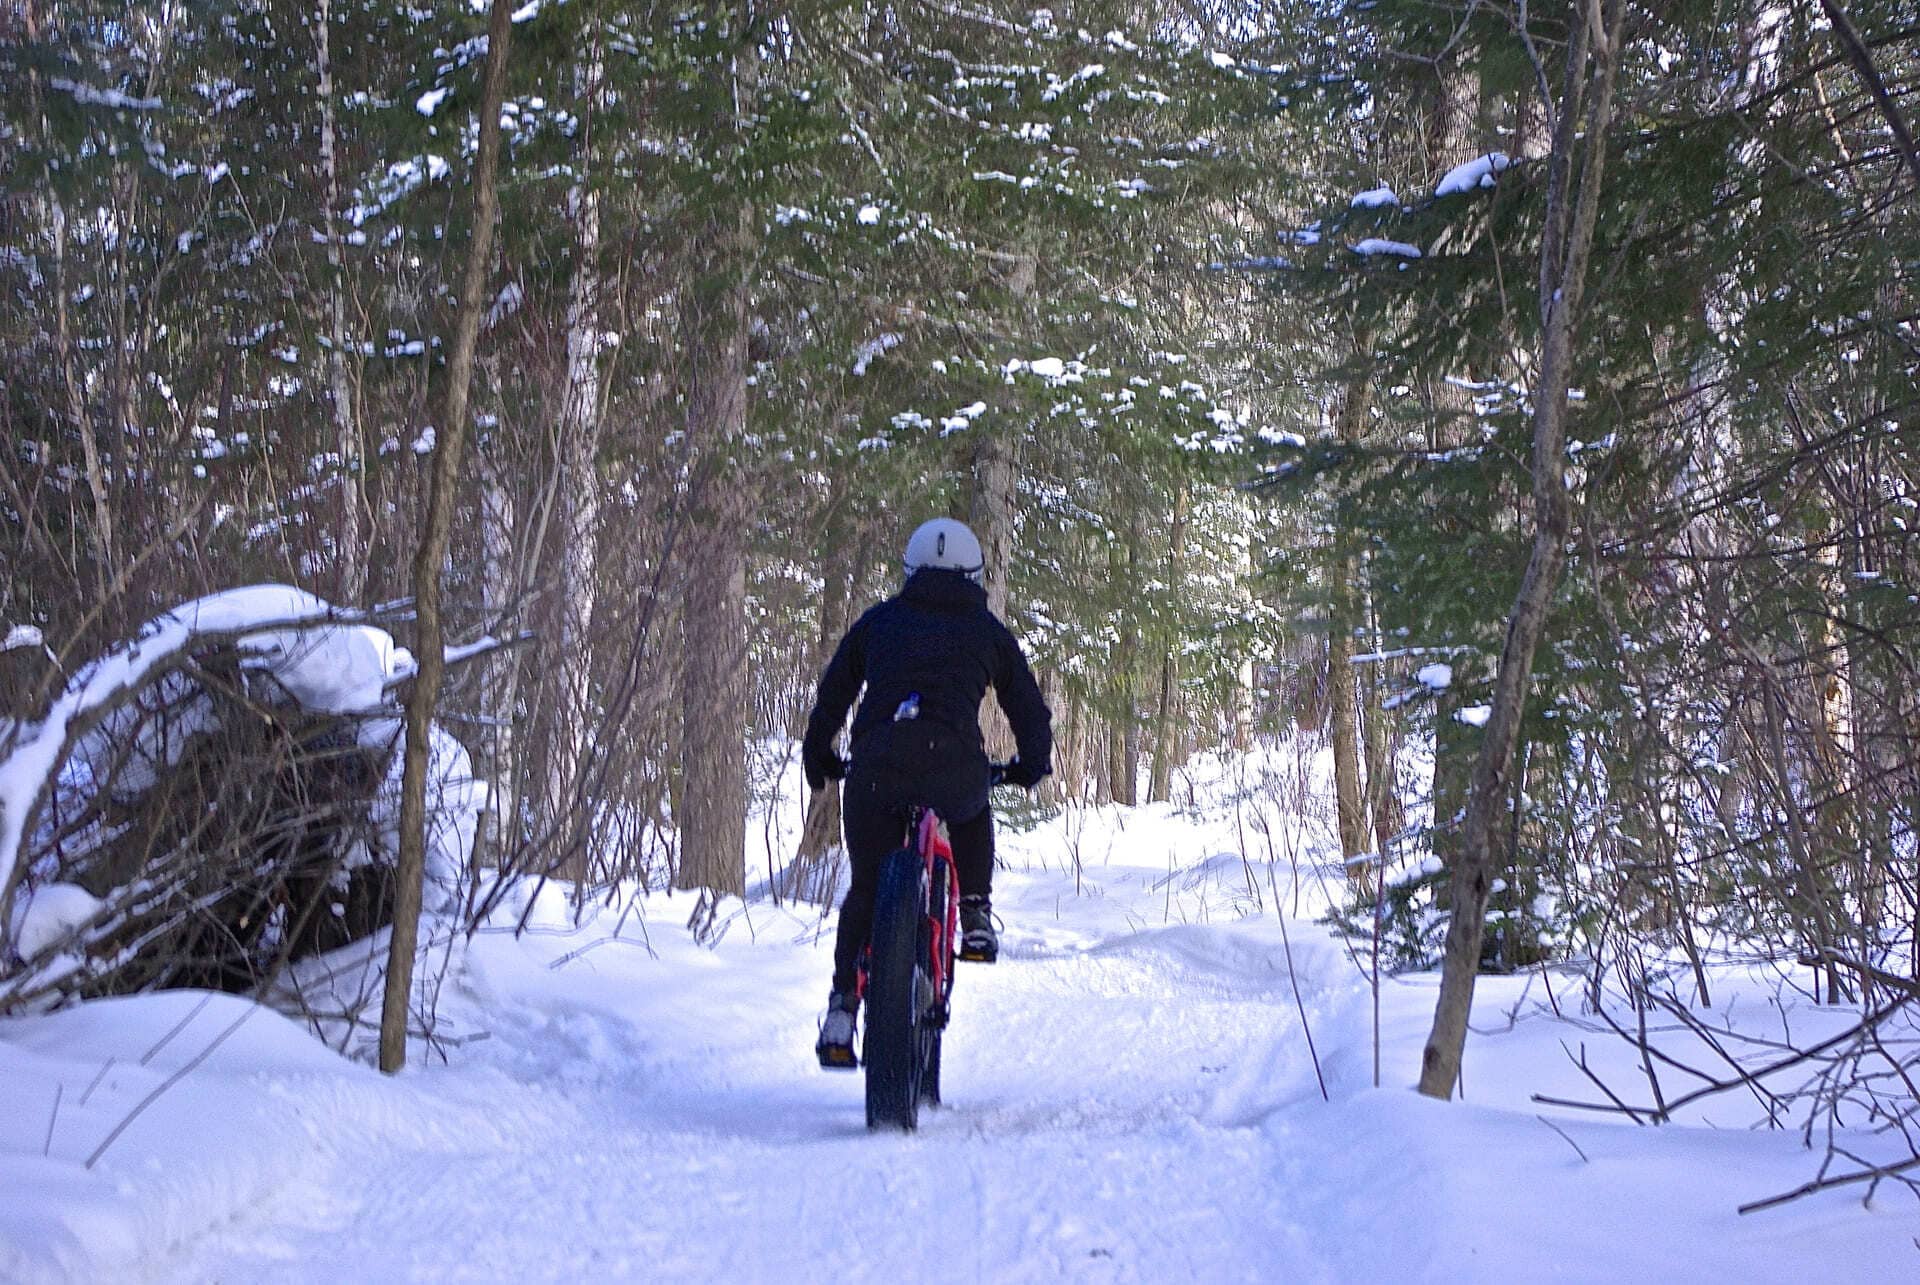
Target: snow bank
[
  {"x": 325, "y": 663},
  {"x": 236, "y": 1128},
  {"x": 1161, "y": 1079},
  {"x": 33, "y": 755}
]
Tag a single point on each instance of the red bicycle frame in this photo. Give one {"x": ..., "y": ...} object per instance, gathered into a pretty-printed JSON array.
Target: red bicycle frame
[
  {"x": 945, "y": 929},
  {"x": 930, "y": 841}
]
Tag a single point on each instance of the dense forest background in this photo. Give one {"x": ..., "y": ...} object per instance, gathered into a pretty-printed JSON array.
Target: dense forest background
[{"x": 1523, "y": 399}]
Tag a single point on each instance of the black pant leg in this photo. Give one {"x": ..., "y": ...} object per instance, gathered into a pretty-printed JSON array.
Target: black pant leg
[
  {"x": 873, "y": 825},
  {"x": 972, "y": 842}
]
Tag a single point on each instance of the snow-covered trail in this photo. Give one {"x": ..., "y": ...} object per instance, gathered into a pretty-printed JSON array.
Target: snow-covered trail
[
  {"x": 630, "y": 1119},
  {"x": 1130, "y": 1098}
]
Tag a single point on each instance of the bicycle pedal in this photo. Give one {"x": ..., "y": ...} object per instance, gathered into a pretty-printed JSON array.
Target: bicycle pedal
[
  {"x": 979, "y": 956},
  {"x": 835, "y": 1057}
]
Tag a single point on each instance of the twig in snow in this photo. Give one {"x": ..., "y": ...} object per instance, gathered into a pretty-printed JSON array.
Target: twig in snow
[
  {"x": 169, "y": 1082},
  {"x": 1564, "y": 1134},
  {"x": 99, "y": 1076},
  {"x": 1293, "y": 976},
  {"x": 1600, "y": 1084},
  {"x": 53, "y": 1118},
  {"x": 178, "y": 1027}
]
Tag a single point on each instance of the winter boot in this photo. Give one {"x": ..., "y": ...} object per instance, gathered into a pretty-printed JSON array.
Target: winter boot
[
  {"x": 978, "y": 942},
  {"x": 835, "y": 1047}
]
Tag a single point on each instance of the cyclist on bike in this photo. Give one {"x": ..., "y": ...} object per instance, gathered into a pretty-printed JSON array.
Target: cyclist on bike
[{"x": 927, "y": 657}]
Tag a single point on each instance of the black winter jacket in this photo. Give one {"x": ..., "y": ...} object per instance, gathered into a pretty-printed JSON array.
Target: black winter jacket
[{"x": 938, "y": 640}]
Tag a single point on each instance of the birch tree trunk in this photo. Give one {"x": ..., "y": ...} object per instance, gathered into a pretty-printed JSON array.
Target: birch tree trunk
[
  {"x": 578, "y": 442},
  {"x": 1835, "y": 747},
  {"x": 1586, "y": 112},
  {"x": 350, "y": 536},
  {"x": 432, "y": 552},
  {"x": 499, "y": 587}
]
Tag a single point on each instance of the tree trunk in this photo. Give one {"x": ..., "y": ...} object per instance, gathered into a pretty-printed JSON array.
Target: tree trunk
[
  {"x": 1384, "y": 813},
  {"x": 813, "y": 870},
  {"x": 1096, "y": 734},
  {"x": 1452, "y": 768},
  {"x": 499, "y": 588},
  {"x": 1572, "y": 207},
  {"x": 578, "y": 437},
  {"x": 1835, "y": 746},
  {"x": 101, "y": 534},
  {"x": 1244, "y": 702},
  {"x": 1124, "y": 742},
  {"x": 1383, "y": 805},
  {"x": 1451, "y": 142},
  {"x": 1245, "y": 698},
  {"x": 1343, "y": 622},
  {"x": 1861, "y": 59},
  {"x": 1071, "y": 767},
  {"x": 714, "y": 694},
  {"x": 1455, "y": 124},
  {"x": 350, "y": 537},
  {"x": 991, "y": 517},
  {"x": 714, "y": 690},
  {"x": 1165, "y": 735},
  {"x": 432, "y": 553},
  {"x": 1344, "y": 733}
]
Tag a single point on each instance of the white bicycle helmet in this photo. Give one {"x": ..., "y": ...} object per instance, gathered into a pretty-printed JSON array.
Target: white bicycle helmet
[{"x": 946, "y": 545}]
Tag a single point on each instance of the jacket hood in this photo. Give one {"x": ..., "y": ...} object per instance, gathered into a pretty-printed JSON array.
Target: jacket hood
[{"x": 936, "y": 587}]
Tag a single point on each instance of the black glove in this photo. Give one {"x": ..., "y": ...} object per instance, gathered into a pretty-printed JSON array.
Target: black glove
[
  {"x": 821, "y": 766},
  {"x": 1026, "y": 775}
]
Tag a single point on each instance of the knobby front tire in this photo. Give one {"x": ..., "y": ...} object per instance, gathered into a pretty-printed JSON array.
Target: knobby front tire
[{"x": 895, "y": 1052}]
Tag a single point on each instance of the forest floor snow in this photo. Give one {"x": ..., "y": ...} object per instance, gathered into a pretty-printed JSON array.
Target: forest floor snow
[{"x": 1131, "y": 1097}]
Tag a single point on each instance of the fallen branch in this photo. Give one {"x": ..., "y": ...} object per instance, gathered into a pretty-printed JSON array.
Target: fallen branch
[
  {"x": 1744, "y": 1079},
  {"x": 1875, "y": 1174}
]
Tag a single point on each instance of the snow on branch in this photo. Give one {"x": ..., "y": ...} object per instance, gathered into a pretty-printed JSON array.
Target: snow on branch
[
  {"x": 33, "y": 751},
  {"x": 327, "y": 659}
]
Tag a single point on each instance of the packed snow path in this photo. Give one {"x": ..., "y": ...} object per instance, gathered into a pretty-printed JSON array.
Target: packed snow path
[
  {"x": 636, "y": 1125},
  {"x": 1130, "y": 1098}
]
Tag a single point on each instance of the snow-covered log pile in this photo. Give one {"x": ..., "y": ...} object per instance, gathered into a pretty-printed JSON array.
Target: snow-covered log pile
[{"x": 213, "y": 800}]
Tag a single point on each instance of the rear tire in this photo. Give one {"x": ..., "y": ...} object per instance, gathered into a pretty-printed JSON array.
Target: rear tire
[{"x": 896, "y": 1052}]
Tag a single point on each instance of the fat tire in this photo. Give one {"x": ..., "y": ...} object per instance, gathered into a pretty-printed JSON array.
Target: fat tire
[
  {"x": 934, "y": 1031},
  {"x": 895, "y": 1049},
  {"x": 930, "y": 1074}
]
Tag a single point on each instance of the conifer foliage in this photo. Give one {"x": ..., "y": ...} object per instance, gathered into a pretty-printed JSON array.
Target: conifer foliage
[{"x": 1518, "y": 401}]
